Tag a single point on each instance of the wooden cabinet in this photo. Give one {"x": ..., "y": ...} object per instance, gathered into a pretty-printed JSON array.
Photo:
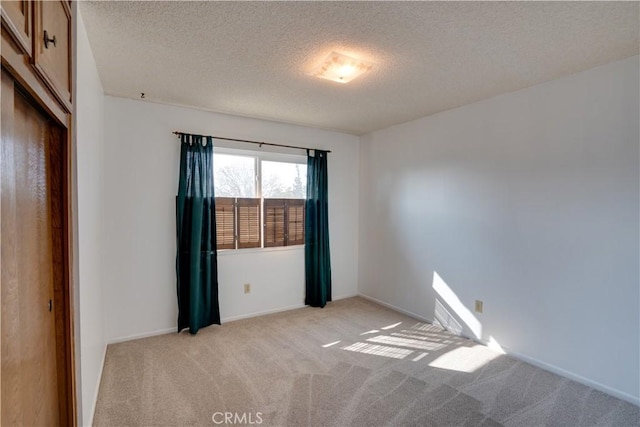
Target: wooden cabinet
[
  {"x": 17, "y": 17},
  {"x": 37, "y": 382},
  {"x": 41, "y": 32},
  {"x": 52, "y": 44}
]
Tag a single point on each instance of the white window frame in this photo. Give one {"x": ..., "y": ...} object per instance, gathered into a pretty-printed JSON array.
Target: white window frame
[{"x": 259, "y": 157}]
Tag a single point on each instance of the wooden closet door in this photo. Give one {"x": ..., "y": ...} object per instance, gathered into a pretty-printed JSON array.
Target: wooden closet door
[{"x": 29, "y": 380}]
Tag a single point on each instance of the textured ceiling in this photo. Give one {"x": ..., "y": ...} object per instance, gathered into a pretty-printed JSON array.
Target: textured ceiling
[{"x": 252, "y": 58}]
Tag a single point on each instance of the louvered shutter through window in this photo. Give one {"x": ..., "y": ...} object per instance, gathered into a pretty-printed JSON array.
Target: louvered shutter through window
[
  {"x": 248, "y": 210},
  {"x": 295, "y": 222},
  {"x": 274, "y": 215},
  {"x": 225, "y": 222}
]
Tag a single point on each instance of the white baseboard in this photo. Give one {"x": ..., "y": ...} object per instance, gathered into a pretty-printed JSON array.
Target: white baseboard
[
  {"x": 261, "y": 313},
  {"x": 279, "y": 310},
  {"x": 142, "y": 335},
  {"x": 398, "y": 309},
  {"x": 344, "y": 297},
  {"x": 223, "y": 320},
  {"x": 89, "y": 422},
  {"x": 572, "y": 376},
  {"x": 540, "y": 364}
]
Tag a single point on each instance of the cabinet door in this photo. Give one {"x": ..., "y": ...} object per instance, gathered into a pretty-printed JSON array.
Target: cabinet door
[
  {"x": 52, "y": 55},
  {"x": 17, "y": 18}
]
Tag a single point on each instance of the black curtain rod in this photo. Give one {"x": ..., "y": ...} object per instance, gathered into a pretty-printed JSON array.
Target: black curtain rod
[{"x": 260, "y": 143}]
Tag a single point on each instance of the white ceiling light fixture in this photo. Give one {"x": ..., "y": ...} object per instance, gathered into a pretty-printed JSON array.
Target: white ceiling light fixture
[{"x": 341, "y": 68}]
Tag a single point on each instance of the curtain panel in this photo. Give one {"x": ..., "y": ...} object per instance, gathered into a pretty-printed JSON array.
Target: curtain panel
[
  {"x": 196, "y": 259},
  {"x": 316, "y": 250}
]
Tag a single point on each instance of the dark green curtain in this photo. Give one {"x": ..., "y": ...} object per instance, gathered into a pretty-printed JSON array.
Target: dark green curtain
[
  {"x": 196, "y": 260},
  {"x": 316, "y": 233}
]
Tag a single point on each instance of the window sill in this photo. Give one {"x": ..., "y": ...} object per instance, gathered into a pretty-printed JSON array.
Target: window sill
[{"x": 226, "y": 252}]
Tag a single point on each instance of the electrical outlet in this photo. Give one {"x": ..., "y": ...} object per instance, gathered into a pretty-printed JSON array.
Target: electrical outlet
[
  {"x": 247, "y": 288},
  {"x": 479, "y": 306}
]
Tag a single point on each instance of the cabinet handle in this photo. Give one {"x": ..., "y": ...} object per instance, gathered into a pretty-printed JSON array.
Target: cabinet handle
[{"x": 48, "y": 40}]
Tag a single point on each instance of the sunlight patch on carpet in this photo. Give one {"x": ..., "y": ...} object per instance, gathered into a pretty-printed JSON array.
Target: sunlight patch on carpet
[
  {"x": 464, "y": 359},
  {"x": 391, "y": 326},
  {"x": 405, "y": 342},
  {"x": 379, "y": 350},
  {"x": 415, "y": 359}
]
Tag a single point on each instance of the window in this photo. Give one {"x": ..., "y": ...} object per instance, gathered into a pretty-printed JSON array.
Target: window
[
  {"x": 234, "y": 176},
  {"x": 284, "y": 180},
  {"x": 260, "y": 199}
]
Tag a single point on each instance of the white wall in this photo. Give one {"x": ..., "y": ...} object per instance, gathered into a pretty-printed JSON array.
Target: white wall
[
  {"x": 141, "y": 161},
  {"x": 527, "y": 201},
  {"x": 89, "y": 142}
]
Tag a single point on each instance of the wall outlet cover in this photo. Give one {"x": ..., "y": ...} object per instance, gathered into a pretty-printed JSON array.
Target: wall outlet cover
[{"x": 478, "y": 306}]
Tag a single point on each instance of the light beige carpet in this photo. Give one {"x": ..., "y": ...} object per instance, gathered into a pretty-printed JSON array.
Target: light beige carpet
[{"x": 353, "y": 363}]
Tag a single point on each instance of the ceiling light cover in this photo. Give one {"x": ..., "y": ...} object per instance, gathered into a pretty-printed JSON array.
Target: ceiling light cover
[{"x": 341, "y": 68}]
